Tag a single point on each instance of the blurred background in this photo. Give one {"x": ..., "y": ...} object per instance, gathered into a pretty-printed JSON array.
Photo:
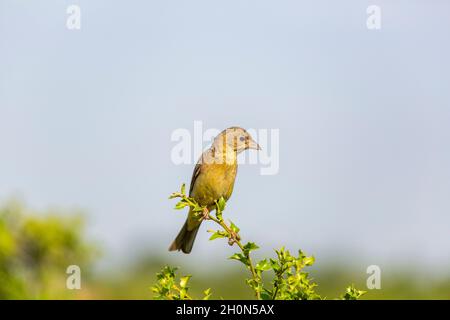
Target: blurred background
[{"x": 86, "y": 118}]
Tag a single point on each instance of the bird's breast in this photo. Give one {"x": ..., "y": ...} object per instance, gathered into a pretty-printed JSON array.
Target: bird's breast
[{"x": 216, "y": 181}]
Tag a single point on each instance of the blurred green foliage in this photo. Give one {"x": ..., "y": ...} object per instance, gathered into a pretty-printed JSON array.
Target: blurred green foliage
[
  {"x": 35, "y": 250},
  {"x": 37, "y": 247}
]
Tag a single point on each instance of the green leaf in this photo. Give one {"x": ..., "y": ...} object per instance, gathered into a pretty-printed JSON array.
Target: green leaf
[
  {"x": 352, "y": 293},
  {"x": 184, "y": 281},
  {"x": 207, "y": 294},
  {"x": 234, "y": 227},
  {"x": 263, "y": 265},
  {"x": 239, "y": 257},
  {"x": 180, "y": 205},
  {"x": 183, "y": 188},
  {"x": 250, "y": 246},
  {"x": 221, "y": 204},
  {"x": 265, "y": 295},
  {"x": 197, "y": 208},
  {"x": 218, "y": 234},
  {"x": 274, "y": 264},
  {"x": 309, "y": 261}
]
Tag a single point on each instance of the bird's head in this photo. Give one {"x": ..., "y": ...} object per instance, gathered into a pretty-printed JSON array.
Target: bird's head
[{"x": 236, "y": 138}]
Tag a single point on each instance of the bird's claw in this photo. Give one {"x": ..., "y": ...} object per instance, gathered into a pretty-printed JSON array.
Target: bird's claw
[{"x": 205, "y": 214}]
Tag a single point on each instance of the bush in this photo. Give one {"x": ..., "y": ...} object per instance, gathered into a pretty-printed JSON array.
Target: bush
[
  {"x": 289, "y": 280},
  {"x": 35, "y": 251}
]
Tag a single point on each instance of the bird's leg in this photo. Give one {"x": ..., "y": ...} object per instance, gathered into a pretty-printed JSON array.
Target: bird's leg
[{"x": 205, "y": 214}]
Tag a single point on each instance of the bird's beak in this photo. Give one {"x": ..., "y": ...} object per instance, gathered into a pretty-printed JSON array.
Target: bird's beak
[{"x": 253, "y": 145}]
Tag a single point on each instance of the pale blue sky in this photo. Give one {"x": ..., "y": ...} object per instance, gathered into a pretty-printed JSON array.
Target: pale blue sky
[{"x": 86, "y": 118}]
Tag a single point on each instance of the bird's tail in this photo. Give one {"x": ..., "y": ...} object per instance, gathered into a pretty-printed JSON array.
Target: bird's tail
[{"x": 185, "y": 239}]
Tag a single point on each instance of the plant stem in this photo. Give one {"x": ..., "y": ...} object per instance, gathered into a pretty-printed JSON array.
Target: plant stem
[
  {"x": 233, "y": 236},
  {"x": 238, "y": 242}
]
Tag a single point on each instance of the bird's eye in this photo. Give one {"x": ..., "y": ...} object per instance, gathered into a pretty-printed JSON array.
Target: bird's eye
[{"x": 242, "y": 138}]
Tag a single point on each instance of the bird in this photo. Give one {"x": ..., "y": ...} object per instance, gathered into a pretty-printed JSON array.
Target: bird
[{"x": 213, "y": 178}]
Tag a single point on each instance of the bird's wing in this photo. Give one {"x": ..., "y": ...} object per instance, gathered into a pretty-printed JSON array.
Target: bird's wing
[
  {"x": 195, "y": 174},
  {"x": 206, "y": 157}
]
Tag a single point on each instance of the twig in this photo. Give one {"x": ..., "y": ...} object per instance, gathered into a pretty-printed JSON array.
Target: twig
[{"x": 236, "y": 239}]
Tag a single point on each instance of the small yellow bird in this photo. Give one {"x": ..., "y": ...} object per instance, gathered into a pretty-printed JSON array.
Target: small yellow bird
[{"x": 213, "y": 178}]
